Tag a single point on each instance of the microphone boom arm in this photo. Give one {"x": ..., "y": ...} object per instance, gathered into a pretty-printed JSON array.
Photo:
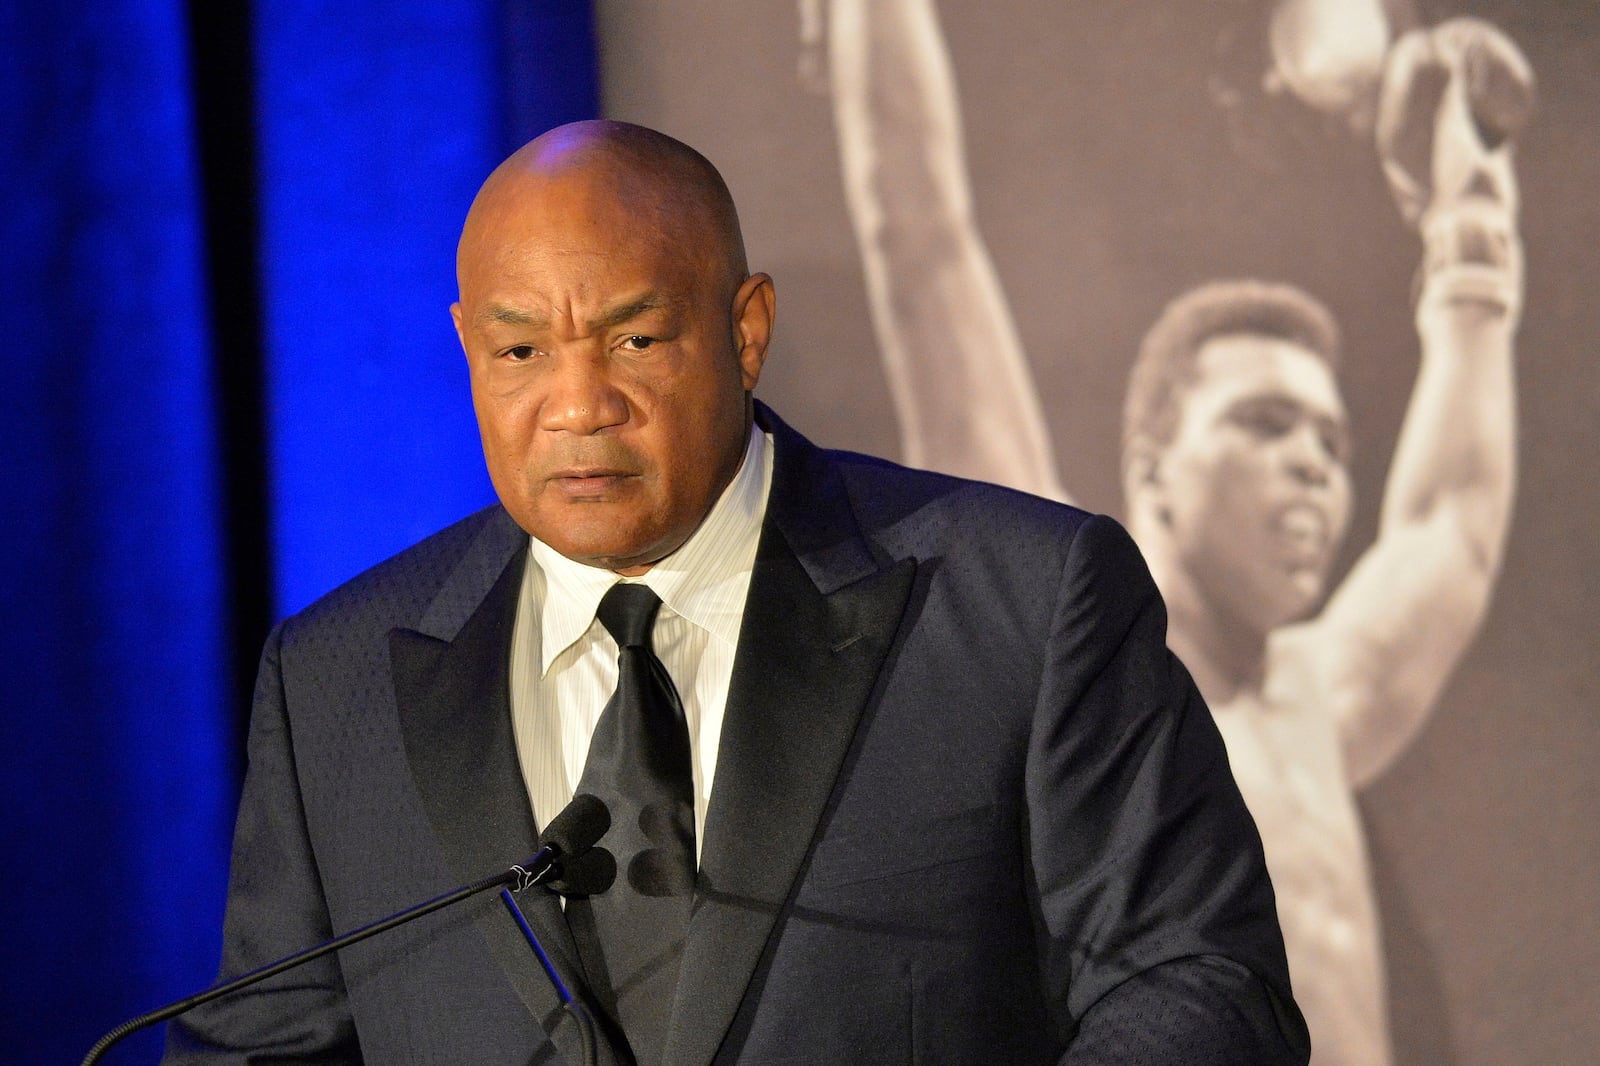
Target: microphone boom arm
[{"x": 520, "y": 877}]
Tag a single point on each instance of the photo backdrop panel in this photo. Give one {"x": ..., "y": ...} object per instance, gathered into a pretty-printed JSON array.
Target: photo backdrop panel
[{"x": 1116, "y": 157}]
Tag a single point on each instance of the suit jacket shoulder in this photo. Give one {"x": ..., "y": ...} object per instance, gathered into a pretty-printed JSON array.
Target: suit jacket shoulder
[{"x": 402, "y": 589}]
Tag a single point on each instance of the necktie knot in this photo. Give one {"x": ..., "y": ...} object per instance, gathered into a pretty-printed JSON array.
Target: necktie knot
[{"x": 629, "y": 614}]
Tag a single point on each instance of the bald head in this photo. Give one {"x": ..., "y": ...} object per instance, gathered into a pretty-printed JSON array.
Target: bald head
[{"x": 670, "y": 193}]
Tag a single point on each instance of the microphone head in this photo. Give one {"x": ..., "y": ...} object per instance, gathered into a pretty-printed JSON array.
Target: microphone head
[
  {"x": 587, "y": 874},
  {"x": 580, "y": 823}
]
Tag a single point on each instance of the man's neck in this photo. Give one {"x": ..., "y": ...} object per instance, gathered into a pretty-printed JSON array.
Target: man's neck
[{"x": 1225, "y": 655}]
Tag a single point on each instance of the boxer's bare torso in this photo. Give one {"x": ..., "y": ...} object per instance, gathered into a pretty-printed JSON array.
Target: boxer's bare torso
[{"x": 1287, "y": 757}]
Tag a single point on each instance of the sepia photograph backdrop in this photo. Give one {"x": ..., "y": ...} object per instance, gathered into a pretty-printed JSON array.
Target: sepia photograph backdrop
[{"x": 1117, "y": 156}]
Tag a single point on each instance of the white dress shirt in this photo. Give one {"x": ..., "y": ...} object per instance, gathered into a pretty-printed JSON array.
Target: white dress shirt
[{"x": 564, "y": 663}]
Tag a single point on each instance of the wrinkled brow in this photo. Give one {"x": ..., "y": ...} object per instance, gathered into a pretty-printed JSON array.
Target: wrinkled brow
[
  {"x": 616, "y": 316},
  {"x": 502, "y": 314}
]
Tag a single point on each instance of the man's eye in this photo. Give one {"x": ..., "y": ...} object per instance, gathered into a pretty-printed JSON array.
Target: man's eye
[
  {"x": 1265, "y": 420},
  {"x": 637, "y": 343},
  {"x": 521, "y": 353}
]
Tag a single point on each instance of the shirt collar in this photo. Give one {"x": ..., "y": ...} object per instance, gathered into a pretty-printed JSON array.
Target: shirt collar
[{"x": 704, "y": 581}]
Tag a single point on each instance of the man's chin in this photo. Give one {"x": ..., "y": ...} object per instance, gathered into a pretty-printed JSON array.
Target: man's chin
[
  {"x": 603, "y": 544},
  {"x": 1300, "y": 597},
  {"x": 623, "y": 558}
]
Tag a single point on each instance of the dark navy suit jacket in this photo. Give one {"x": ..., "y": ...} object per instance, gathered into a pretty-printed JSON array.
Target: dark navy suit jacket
[{"x": 968, "y": 809}]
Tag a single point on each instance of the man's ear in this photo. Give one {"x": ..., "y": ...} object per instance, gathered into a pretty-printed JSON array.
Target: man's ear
[
  {"x": 754, "y": 306},
  {"x": 461, "y": 336},
  {"x": 1143, "y": 479}
]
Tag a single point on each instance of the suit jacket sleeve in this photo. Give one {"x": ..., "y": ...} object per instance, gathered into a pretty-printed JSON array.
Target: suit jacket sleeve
[
  {"x": 1160, "y": 941},
  {"x": 275, "y": 908}
]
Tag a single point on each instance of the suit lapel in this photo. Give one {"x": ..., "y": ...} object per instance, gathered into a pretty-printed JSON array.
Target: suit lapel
[
  {"x": 821, "y": 615},
  {"x": 452, "y": 689}
]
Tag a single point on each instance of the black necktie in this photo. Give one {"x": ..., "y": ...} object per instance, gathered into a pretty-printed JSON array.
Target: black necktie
[{"x": 631, "y": 937}]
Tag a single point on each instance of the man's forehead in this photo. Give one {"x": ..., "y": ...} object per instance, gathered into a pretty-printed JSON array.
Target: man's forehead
[
  {"x": 1239, "y": 364},
  {"x": 532, "y": 262},
  {"x": 583, "y": 237},
  {"x": 593, "y": 266},
  {"x": 556, "y": 220}
]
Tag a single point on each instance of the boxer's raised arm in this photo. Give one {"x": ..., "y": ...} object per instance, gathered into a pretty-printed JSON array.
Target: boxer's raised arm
[
  {"x": 959, "y": 378},
  {"x": 1396, "y": 628}
]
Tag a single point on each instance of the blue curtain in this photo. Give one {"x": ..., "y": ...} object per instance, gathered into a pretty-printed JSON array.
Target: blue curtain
[
  {"x": 376, "y": 130},
  {"x": 119, "y": 526}
]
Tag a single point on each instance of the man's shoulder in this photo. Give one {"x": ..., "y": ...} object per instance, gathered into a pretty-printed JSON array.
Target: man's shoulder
[
  {"x": 882, "y": 475},
  {"x": 399, "y": 590},
  {"x": 883, "y": 493},
  {"x": 887, "y": 496}
]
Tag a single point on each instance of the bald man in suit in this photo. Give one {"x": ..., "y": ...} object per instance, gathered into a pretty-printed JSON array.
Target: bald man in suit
[{"x": 954, "y": 800}]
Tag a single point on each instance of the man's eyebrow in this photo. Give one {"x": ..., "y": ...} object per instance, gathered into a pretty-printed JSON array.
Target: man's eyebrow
[
  {"x": 510, "y": 316},
  {"x": 616, "y": 316},
  {"x": 503, "y": 314}
]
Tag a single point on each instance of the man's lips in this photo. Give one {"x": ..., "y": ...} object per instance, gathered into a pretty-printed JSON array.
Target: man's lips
[
  {"x": 587, "y": 482},
  {"x": 1303, "y": 530}
]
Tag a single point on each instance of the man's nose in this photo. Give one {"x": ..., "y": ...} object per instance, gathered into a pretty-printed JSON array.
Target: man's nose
[
  {"x": 1306, "y": 455},
  {"x": 580, "y": 395}
]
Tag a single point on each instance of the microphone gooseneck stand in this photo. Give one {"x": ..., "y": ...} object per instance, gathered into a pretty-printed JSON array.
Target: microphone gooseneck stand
[
  {"x": 571, "y": 834},
  {"x": 569, "y": 1003}
]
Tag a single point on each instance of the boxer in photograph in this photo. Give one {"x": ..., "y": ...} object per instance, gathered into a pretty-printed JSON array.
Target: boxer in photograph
[{"x": 1234, "y": 464}]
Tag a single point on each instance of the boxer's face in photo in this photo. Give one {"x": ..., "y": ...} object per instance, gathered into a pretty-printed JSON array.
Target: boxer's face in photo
[{"x": 1254, "y": 484}]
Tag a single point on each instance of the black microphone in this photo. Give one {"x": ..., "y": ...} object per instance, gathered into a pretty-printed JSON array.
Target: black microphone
[
  {"x": 587, "y": 874},
  {"x": 569, "y": 837},
  {"x": 574, "y": 860}
]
